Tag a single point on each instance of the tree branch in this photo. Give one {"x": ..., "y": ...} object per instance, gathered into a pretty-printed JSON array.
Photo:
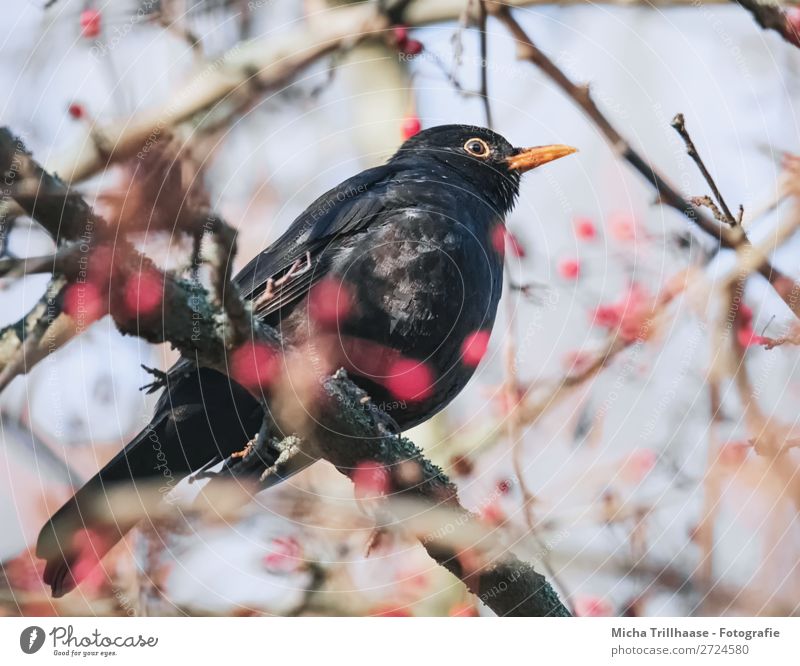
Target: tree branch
[
  {"x": 787, "y": 289},
  {"x": 770, "y": 16}
]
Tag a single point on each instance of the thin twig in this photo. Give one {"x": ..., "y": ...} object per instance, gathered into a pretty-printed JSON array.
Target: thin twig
[
  {"x": 679, "y": 125},
  {"x": 667, "y": 194},
  {"x": 484, "y": 63}
]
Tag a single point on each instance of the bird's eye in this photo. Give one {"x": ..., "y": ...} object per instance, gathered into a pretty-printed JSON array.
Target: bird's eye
[{"x": 477, "y": 147}]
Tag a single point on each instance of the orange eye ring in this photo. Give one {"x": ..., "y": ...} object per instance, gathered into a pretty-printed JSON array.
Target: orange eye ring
[{"x": 477, "y": 147}]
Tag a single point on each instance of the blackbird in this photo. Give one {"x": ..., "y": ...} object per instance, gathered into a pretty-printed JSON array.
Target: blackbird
[{"x": 392, "y": 273}]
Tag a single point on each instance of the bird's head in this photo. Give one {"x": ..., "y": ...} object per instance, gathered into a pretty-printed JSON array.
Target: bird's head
[{"x": 480, "y": 156}]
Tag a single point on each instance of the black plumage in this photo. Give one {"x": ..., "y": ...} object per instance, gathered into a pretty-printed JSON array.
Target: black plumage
[{"x": 411, "y": 245}]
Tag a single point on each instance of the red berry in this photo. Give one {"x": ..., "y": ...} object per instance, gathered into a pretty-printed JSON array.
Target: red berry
[
  {"x": 793, "y": 19},
  {"x": 410, "y": 126},
  {"x": 577, "y": 362},
  {"x": 83, "y": 302},
  {"x": 400, "y": 34},
  {"x": 588, "y": 606},
  {"x": 412, "y": 47},
  {"x": 144, "y": 292},
  {"x": 463, "y": 610},
  {"x": 254, "y": 365},
  {"x": 502, "y": 237},
  {"x": 748, "y": 338},
  {"x": 391, "y": 612},
  {"x": 622, "y": 227},
  {"x": 330, "y": 302},
  {"x": 607, "y": 316},
  {"x": 76, "y": 111},
  {"x": 284, "y": 555},
  {"x": 585, "y": 229},
  {"x": 745, "y": 315},
  {"x": 639, "y": 464},
  {"x": 498, "y": 238},
  {"x": 492, "y": 514},
  {"x": 733, "y": 453},
  {"x": 371, "y": 480},
  {"x": 516, "y": 247},
  {"x": 569, "y": 269},
  {"x": 90, "y": 23}
]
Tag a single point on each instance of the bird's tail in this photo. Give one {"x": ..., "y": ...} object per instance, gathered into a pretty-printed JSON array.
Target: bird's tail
[{"x": 202, "y": 416}]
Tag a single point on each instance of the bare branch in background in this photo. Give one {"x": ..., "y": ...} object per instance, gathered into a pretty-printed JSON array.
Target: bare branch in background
[
  {"x": 484, "y": 63},
  {"x": 345, "y": 428}
]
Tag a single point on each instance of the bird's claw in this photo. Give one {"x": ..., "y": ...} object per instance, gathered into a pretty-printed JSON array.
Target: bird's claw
[{"x": 299, "y": 267}]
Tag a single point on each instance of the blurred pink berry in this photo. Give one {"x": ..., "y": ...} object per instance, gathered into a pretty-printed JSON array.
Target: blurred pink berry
[
  {"x": 502, "y": 238},
  {"x": 585, "y": 229},
  {"x": 498, "y": 239},
  {"x": 629, "y": 315},
  {"x": 143, "y": 292},
  {"x": 88, "y": 544},
  {"x": 391, "y": 612},
  {"x": 371, "y": 480},
  {"x": 90, "y": 23},
  {"x": 25, "y": 572},
  {"x": 748, "y": 337},
  {"x": 576, "y": 362},
  {"x": 410, "y": 126},
  {"x": 254, "y": 365},
  {"x": 745, "y": 314},
  {"x": 607, "y": 316},
  {"x": 330, "y": 302},
  {"x": 514, "y": 244},
  {"x": 284, "y": 555},
  {"x": 463, "y": 609},
  {"x": 412, "y": 47},
  {"x": 639, "y": 464},
  {"x": 76, "y": 111},
  {"x": 400, "y": 34},
  {"x": 622, "y": 227},
  {"x": 410, "y": 380},
  {"x": 569, "y": 269},
  {"x": 474, "y": 348},
  {"x": 588, "y": 606},
  {"x": 83, "y": 302},
  {"x": 733, "y": 454},
  {"x": 492, "y": 514},
  {"x": 793, "y": 19}
]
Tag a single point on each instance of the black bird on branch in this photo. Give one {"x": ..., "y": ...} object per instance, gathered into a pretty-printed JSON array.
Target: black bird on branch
[{"x": 389, "y": 274}]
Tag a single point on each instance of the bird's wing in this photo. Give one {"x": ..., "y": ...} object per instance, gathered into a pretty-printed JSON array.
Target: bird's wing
[{"x": 298, "y": 259}]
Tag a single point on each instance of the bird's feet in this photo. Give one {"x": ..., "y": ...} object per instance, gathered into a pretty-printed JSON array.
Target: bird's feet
[{"x": 298, "y": 268}]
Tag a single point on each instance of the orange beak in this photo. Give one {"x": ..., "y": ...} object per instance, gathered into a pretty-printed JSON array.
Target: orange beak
[{"x": 530, "y": 158}]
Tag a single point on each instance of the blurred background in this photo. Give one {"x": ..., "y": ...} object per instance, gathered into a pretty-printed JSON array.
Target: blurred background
[{"x": 618, "y": 484}]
